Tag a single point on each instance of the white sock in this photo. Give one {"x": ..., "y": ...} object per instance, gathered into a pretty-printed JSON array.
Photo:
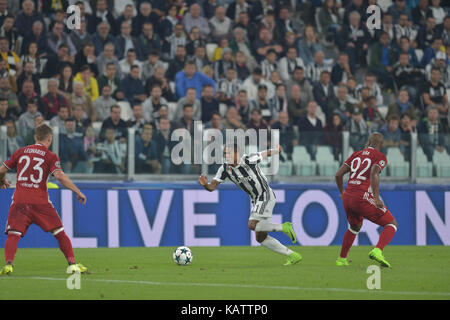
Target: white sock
[
  {"x": 266, "y": 226},
  {"x": 275, "y": 245}
]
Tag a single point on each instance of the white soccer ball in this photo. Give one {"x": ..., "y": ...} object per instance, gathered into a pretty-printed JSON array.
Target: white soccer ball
[{"x": 182, "y": 256}]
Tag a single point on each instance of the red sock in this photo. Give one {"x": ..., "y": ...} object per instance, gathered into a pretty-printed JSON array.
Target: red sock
[
  {"x": 349, "y": 237},
  {"x": 66, "y": 246},
  {"x": 386, "y": 236},
  {"x": 11, "y": 247}
]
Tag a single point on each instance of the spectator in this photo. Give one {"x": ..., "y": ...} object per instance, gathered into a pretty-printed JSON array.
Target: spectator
[
  {"x": 333, "y": 135},
  {"x": 371, "y": 114},
  {"x": 251, "y": 84},
  {"x": 190, "y": 98},
  {"x": 402, "y": 105},
  {"x": 357, "y": 6},
  {"x": 399, "y": 8},
  {"x": 189, "y": 78},
  {"x": 439, "y": 62},
  {"x": 79, "y": 97},
  {"x": 200, "y": 58},
  {"x": 431, "y": 51},
  {"x": 27, "y": 74},
  {"x": 60, "y": 119},
  {"x": 26, "y": 120},
  {"x": 177, "y": 63},
  {"x": 431, "y": 133},
  {"x": 132, "y": 86},
  {"x": 209, "y": 104},
  {"x": 53, "y": 100},
  {"x": 314, "y": 70},
  {"x": 159, "y": 78},
  {"x": 128, "y": 62},
  {"x": 12, "y": 59},
  {"x": 116, "y": 123},
  {"x": 249, "y": 26},
  {"x": 71, "y": 149},
  {"x": 391, "y": 133},
  {"x": 297, "y": 104},
  {"x": 84, "y": 57},
  {"x": 427, "y": 33},
  {"x": 145, "y": 14},
  {"x": 6, "y": 92},
  {"x": 288, "y": 138},
  {"x": 257, "y": 122},
  {"x": 382, "y": 57},
  {"x": 264, "y": 44},
  {"x": 228, "y": 87},
  {"x": 233, "y": 120},
  {"x": 171, "y": 44},
  {"x": 153, "y": 103},
  {"x": 65, "y": 86},
  {"x": 90, "y": 148},
  {"x": 370, "y": 81},
  {"x": 101, "y": 15},
  {"x": 26, "y": 18},
  {"x": 340, "y": 105},
  {"x": 153, "y": 62},
  {"x": 406, "y": 76},
  {"x": 421, "y": 13},
  {"x": 32, "y": 56},
  {"x": 38, "y": 36},
  {"x": 29, "y": 139},
  {"x": 329, "y": 19},
  {"x": 6, "y": 114},
  {"x": 269, "y": 64},
  {"x": 221, "y": 66},
  {"x": 146, "y": 152},
  {"x": 169, "y": 22},
  {"x": 137, "y": 121},
  {"x": 81, "y": 123},
  {"x": 194, "y": 19},
  {"x": 240, "y": 43},
  {"x": 125, "y": 42},
  {"x": 435, "y": 93},
  {"x": 308, "y": 46},
  {"x": 13, "y": 140},
  {"x": 288, "y": 64},
  {"x": 358, "y": 130},
  {"x": 221, "y": 24},
  {"x": 406, "y": 129},
  {"x": 354, "y": 40},
  {"x": 81, "y": 37},
  {"x": 323, "y": 91},
  {"x": 438, "y": 12},
  {"x": 404, "y": 28},
  {"x": 106, "y": 57},
  {"x": 341, "y": 71},
  {"x": 104, "y": 103},
  {"x": 112, "y": 154},
  {"x": 56, "y": 62},
  {"x": 90, "y": 83},
  {"x": 102, "y": 37},
  {"x": 112, "y": 79},
  {"x": 58, "y": 37},
  {"x": 164, "y": 144},
  {"x": 310, "y": 129}
]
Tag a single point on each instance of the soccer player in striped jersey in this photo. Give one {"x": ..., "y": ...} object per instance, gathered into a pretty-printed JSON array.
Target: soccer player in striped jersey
[{"x": 246, "y": 174}]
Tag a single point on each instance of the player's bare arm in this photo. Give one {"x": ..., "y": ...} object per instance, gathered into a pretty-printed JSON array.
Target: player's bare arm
[
  {"x": 67, "y": 183},
  {"x": 203, "y": 180},
  {"x": 339, "y": 177},
  {"x": 271, "y": 152},
  {"x": 375, "y": 184},
  {"x": 3, "y": 182}
]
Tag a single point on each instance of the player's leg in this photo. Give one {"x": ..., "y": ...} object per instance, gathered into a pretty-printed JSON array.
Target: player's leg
[
  {"x": 266, "y": 240},
  {"x": 385, "y": 219},
  {"x": 16, "y": 227},
  {"x": 48, "y": 219},
  {"x": 355, "y": 223},
  {"x": 264, "y": 209}
]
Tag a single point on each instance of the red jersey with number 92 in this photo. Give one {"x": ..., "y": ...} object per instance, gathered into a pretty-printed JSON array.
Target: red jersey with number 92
[
  {"x": 34, "y": 164},
  {"x": 360, "y": 164}
]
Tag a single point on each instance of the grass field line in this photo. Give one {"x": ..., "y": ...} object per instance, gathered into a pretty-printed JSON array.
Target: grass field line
[{"x": 248, "y": 286}]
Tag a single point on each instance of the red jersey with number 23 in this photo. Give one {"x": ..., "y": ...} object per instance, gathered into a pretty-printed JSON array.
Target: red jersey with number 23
[
  {"x": 360, "y": 164},
  {"x": 34, "y": 164}
]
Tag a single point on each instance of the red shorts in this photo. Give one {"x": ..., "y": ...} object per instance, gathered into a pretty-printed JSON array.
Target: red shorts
[
  {"x": 357, "y": 209},
  {"x": 22, "y": 215}
]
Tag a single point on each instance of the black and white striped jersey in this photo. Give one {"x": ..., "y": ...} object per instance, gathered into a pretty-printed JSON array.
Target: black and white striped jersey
[{"x": 248, "y": 176}]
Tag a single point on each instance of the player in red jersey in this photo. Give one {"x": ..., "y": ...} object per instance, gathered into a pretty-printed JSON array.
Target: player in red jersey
[
  {"x": 31, "y": 203},
  {"x": 361, "y": 198}
]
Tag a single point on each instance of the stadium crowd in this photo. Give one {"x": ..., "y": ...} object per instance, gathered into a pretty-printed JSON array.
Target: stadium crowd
[{"x": 311, "y": 69}]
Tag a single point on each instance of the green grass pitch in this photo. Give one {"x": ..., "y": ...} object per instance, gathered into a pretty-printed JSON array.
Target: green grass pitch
[{"x": 229, "y": 273}]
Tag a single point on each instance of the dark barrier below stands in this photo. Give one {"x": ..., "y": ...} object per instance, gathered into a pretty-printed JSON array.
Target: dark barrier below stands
[{"x": 172, "y": 214}]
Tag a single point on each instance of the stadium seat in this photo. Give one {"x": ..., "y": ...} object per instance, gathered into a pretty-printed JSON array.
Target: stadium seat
[
  {"x": 302, "y": 162},
  {"x": 43, "y": 83},
  {"x": 210, "y": 48},
  {"x": 397, "y": 165},
  {"x": 172, "y": 86},
  {"x": 223, "y": 109},
  {"x": 383, "y": 111},
  {"x": 424, "y": 168},
  {"x": 419, "y": 54},
  {"x": 125, "y": 110},
  {"x": 350, "y": 152},
  {"x": 325, "y": 159},
  {"x": 441, "y": 161},
  {"x": 285, "y": 168}
]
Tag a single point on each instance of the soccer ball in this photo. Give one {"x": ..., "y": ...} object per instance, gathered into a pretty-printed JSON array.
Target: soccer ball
[{"x": 182, "y": 256}]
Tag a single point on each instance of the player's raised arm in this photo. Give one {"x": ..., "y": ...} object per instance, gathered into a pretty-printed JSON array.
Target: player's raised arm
[
  {"x": 3, "y": 182},
  {"x": 375, "y": 185},
  {"x": 203, "y": 180},
  {"x": 339, "y": 177},
  {"x": 271, "y": 152},
  {"x": 67, "y": 183}
]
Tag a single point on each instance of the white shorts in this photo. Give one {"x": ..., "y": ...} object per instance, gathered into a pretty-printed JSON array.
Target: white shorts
[{"x": 262, "y": 210}]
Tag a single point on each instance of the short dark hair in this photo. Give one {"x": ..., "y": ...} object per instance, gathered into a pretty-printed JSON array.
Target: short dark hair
[{"x": 188, "y": 105}]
